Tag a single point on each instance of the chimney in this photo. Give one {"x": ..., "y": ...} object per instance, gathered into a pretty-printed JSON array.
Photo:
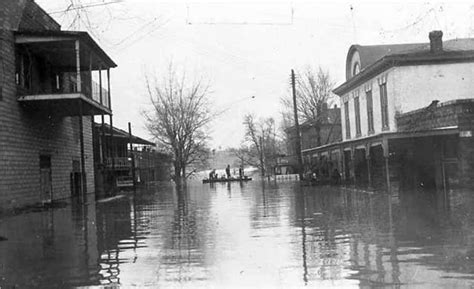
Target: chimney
[
  {"x": 324, "y": 112},
  {"x": 436, "y": 41}
]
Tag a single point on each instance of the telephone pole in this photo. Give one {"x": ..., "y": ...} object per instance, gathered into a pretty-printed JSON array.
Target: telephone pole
[{"x": 297, "y": 127}]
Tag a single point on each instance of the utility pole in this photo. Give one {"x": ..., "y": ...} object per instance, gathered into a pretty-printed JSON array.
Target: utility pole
[
  {"x": 132, "y": 155},
  {"x": 297, "y": 127},
  {"x": 262, "y": 162}
]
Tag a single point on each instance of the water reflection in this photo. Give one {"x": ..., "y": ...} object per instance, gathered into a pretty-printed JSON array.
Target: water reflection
[{"x": 255, "y": 234}]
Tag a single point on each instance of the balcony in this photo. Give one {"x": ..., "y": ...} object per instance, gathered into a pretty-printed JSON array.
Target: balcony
[
  {"x": 62, "y": 73},
  {"x": 118, "y": 163}
]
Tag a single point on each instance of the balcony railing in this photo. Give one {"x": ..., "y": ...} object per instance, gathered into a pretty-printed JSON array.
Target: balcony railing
[
  {"x": 66, "y": 83},
  {"x": 118, "y": 163},
  {"x": 89, "y": 88}
]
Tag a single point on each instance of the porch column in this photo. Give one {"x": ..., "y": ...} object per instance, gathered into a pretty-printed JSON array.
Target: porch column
[
  {"x": 386, "y": 155},
  {"x": 353, "y": 172},
  {"x": 83, "y": 165},
  {"x": 112, "y": 150},
  {"x": 132, "y": 155},
  {"x": 320, "y": 165},
  {"x": 108, "y": 89},
  {"x": 367, "y": 158},
  {"x": 78, "y": 66},
  {"x": 102, "y": 151},
  {"x": 343, "y": 163}
]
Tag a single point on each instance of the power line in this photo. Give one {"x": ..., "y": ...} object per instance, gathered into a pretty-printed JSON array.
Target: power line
[{"x": 72, "y": 8}]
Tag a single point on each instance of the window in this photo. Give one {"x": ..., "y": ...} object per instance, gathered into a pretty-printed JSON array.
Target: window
[
  {"x": 23, "y": 70},
  {"x": 384, "y": 105},
  {"x": 356, "y": 69},
  {"x": 357, "y": 115},
  {"x": 370, "y": 111},
  {"x": 348, "y": 122}
]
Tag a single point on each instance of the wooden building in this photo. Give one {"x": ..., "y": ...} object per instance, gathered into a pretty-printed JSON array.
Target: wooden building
[
  {"x": 118, "y": 156},
  {"x": 51, "y": 87},
  {"x": 313, "y": 135}
]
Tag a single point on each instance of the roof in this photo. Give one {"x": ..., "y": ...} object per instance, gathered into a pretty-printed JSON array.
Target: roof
[
  {"x": 43, "y": 37},
  {"x": 121, "y": 134},
  {"x": 377, "y": 58},
  {"x": 14, "y": 16},
  {"x": 332, "y": 119}
]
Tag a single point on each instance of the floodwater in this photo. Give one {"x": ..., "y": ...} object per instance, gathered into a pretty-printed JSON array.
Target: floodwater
[{"x": 251, "y": 235}]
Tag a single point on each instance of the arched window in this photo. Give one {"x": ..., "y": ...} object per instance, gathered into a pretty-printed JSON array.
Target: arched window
[{"x": 356, "y": 69}]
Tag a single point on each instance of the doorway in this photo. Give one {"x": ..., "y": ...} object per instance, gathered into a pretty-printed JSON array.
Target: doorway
[
  {"x": 46, "y": 183},
  {"x": 76, "y": 180}
]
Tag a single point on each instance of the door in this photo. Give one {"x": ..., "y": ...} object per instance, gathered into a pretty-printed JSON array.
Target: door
[
  {"x": 46, "y": 186},
  {"x": 75, "y": 179}
]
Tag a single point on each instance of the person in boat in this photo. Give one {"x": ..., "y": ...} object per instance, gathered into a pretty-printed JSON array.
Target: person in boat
[
  {"x": 212, "y": 174},
  {"x": 227, "y": 171}
]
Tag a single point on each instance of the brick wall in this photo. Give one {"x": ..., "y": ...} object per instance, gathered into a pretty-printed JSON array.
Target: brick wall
[{"x": 452, "y": 113}]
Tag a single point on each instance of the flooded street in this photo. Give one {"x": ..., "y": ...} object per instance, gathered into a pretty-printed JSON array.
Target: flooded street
[{"x": 255, "y": 234}]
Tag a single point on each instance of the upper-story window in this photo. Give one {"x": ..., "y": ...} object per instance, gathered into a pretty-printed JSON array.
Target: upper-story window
[
  {"x": 370, "y": 111},
  {"x": 356, "y": 69},
  {"x": 384, "y": 105},
  {"x": 348, "y": 121},
  {"x": 23, "y": 70},
  {"x": 357, "y": 115}
]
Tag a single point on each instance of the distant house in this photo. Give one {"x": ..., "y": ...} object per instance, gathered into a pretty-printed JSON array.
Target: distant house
[
  {"x": 329, "y": 133},
  {"x": 407, "y": 115},
  {"x": 114, "y": 160},
  {"x": 50, "y": 90}
]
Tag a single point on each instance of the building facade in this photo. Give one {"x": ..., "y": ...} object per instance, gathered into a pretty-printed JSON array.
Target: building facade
[
  {"x": 406, "y": 116},
  {"x": 119, "y": 156},
  {"x": 51, "y": 87},
  {"x": 314, "y": 136}
]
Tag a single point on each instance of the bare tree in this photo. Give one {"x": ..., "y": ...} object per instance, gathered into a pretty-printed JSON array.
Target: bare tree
[
  {"x": 261, "y": 146},
  {"x": 313, "y": 94},
  {"x": 178, "y": 120}
]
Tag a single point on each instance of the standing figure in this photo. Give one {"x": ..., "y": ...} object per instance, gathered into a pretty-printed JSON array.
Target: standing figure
[
  {"x": 241, "y": 172},
  {"x": 227, "y": 171}
]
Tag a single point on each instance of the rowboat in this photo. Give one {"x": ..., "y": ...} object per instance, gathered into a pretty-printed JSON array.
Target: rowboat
[{"x": 225, "y": 180}]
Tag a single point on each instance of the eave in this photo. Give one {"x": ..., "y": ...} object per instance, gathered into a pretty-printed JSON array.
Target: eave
[{"x": 389, "y": 61}]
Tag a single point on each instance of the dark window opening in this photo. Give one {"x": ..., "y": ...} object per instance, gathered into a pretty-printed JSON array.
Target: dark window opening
[
  {"x": 357, "y": 115},
  {"x": 384, "y": 105},
  {"x": 23, "y": 69},
  {"x": 370, "y": 112},
  {"x": 348, "y": 121}
]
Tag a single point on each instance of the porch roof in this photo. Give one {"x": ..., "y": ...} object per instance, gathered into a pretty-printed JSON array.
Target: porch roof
[
  {"x": 373, "y": 139},
  {"x": 121, "y": 134},
  {"x": 64, "y": 104},
  {"x": 58, "y": 47}
]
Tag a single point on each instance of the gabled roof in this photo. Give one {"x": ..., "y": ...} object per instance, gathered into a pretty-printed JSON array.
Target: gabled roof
[
  {"x": 121, "y": 134},
  {"x": 377, "y": 58},
  {"x": 14, "y": 16}
]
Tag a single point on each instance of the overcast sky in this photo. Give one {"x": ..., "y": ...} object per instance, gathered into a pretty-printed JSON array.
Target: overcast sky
[{"x": 244, "y": 48}]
